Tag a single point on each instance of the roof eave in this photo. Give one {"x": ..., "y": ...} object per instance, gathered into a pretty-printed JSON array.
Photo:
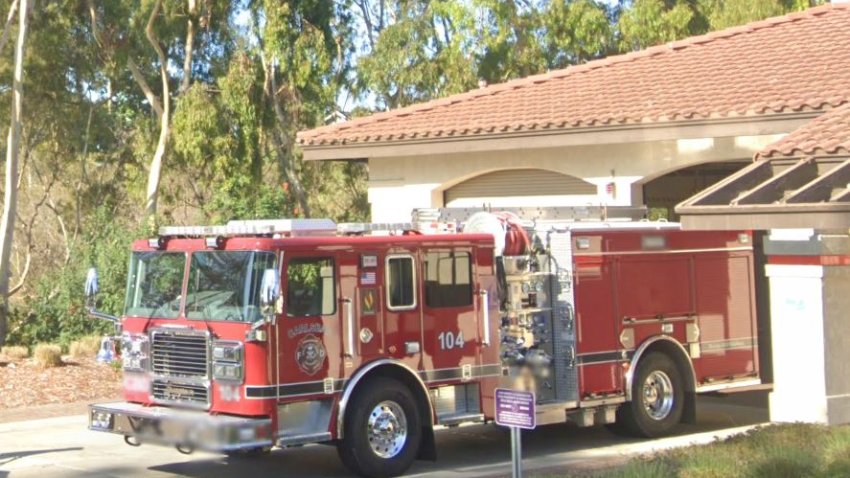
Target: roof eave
[
  {"x": 835, "y": 217},
  {"x": 754, "y": 125}
]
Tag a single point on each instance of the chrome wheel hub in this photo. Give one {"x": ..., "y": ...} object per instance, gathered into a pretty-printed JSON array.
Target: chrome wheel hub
[
  {"x": 658, "y": 395},
  {"x": 387, "y": 429}
]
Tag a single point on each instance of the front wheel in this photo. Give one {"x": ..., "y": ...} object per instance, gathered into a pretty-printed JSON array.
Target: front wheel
[
  {"x": 657, "y": 398},
  {"x": 382, "y": 430}
]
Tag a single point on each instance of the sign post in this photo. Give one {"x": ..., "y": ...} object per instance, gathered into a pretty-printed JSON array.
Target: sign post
[{"x": 515, "y": 409}]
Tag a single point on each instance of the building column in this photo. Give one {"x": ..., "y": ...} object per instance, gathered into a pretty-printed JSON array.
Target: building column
[{"x": 809, "y": 276}]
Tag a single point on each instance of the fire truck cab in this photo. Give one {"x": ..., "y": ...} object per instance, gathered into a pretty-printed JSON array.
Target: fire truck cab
[{"x": 257, "y": 334}]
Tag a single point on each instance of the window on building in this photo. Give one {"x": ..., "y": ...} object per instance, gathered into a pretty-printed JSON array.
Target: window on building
[
  {"x": 448, "y": 279},
  {"x": 310, "y": 287},
  {"x": 401, "y": 283}
]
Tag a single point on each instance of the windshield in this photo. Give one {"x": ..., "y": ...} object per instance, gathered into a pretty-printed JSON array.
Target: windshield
[
  {"x": 225, "y": 285},
  {"x": 154, "y": 284}
]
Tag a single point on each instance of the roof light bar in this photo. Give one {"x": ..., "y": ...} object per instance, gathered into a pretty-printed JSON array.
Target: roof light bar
[
  {"x": 156, "y": 242},
  {"x": 356, "y": 228},
  {"x": 282, "y": 227},
  {"x": 214, "y": 242}
]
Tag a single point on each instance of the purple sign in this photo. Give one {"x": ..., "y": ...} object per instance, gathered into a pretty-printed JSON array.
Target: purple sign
[{"x": 515, "y": 408}]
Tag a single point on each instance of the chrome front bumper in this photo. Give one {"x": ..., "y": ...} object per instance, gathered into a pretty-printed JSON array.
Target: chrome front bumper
[{"x": 184, "y": 428}]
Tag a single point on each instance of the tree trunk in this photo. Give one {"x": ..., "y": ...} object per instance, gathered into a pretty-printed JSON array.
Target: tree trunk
[
  {"x": 156, "y": 164},
  {"x": 7, "y": 225},
  {"x": 190, "y": 40},
  {"x": 285, "y": 158}
]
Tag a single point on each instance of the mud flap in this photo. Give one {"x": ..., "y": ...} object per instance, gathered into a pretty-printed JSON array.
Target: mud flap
[
  {"x": 689, "y": 410},
  {"x": 428, "y": 447}
]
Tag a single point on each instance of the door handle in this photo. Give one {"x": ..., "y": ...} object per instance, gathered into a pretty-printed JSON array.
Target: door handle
[
  {"x": 485, "y": 316},
  {"x": 348, "y": 346}
]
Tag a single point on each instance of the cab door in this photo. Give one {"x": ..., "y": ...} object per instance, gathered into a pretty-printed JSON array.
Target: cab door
[
  {"x": 308, "y": 331},
  {"x": 450, "y": 322}
]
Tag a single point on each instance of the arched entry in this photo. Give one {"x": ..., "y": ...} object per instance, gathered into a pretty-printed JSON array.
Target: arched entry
[
  {"x": 521, "y": 187},
  {"x": 660, "y": 195}
]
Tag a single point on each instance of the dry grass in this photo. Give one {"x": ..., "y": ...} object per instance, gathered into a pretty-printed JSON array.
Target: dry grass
[
  {"x": 15, "y": 352},
  {"x": 86, "y": 347},
  {"x": 47, "y": 355},
  {"x": 793, "y": 450}
]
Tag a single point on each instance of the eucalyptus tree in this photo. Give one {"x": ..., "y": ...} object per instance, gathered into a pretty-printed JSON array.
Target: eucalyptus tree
[
  {"x": 7, "y": 224},
  {"x": 576, "y": 32},
  {"x": 144, "y": 40},
  {"x": 728, "y": 13},
  {"x": 415, "y": 50}
]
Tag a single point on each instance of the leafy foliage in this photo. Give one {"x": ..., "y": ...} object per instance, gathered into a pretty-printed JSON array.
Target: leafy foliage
[
  {"x": 651, "y": 22},
  {"x": 576, "y": 32},
  {"x": 56, "y": 311}
]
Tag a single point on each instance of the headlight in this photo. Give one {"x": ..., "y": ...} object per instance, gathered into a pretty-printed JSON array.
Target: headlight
[
  {"x": 135, "y": 351},
  {"x": 227, "y": 352},
  {"x": 102, "y": 420},
  {"x": 228, "y": 359},
  {"x": 227, "y": 372}
]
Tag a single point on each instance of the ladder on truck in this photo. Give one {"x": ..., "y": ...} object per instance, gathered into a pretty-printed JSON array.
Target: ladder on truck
[{"x": 423, "y": 220}]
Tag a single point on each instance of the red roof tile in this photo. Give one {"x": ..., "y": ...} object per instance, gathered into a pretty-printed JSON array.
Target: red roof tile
[
  {"x": 828, "y": 134},
  {"x": 792, "y": 63}
]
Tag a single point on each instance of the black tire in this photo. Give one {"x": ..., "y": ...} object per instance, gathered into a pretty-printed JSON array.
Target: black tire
[
  {"x": 658, "y": 396},
  {"x": 380, "y": 412}
]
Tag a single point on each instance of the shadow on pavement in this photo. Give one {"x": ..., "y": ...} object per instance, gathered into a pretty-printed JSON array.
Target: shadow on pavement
[
  {"x": 463, "y": 450},
  {"x": 10, "y": 457}
]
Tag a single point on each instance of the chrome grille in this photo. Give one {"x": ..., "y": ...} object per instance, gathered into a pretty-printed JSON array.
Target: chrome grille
[
  {"x": 180, "y": 365},
  {"x": 179, "y": 354},
  {"x": 187, "y": 393}
]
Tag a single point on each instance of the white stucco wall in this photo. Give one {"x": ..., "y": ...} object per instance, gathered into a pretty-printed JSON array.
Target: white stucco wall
[{"x": 399, "y": 184}]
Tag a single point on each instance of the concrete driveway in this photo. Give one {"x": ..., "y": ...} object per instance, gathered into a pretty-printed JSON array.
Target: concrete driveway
[{"x": 63, "y": 447}]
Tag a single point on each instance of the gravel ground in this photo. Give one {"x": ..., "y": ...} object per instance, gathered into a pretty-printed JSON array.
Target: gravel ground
[{"x": 28, "y": 391}]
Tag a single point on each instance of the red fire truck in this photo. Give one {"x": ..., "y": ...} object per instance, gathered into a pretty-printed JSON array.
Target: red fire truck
[{"x": 257, "y": 334}]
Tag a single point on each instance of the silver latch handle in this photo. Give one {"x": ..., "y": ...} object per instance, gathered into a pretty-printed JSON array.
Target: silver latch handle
[
  {"x": 485, "y": 316},
  {"x": 349, "y": 324}
]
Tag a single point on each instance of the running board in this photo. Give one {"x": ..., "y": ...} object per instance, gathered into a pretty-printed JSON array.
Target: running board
[
  {"x": 734, "y": 386},
  {"x": 457, "y": 419},
  {"x": 293, "y": 440}
]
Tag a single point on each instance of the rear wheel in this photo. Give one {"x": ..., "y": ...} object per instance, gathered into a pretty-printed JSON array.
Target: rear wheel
[
  {"x": 382, "y": 430},
  {"x": 657, "y": 398}
]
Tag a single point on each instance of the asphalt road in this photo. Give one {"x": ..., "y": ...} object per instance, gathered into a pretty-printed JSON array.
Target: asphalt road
[{"x": 63, "y": 447}]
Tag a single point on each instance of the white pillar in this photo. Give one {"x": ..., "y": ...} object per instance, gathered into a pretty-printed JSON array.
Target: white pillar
[
  {"x": 809, "y": 275},
  {"x": 796, "y": 310}
]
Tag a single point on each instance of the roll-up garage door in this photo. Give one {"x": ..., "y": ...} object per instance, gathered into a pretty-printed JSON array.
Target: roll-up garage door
[{"x": 521, "y": 187}]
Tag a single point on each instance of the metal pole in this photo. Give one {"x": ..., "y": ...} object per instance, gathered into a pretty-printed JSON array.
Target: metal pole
[{"x": 516, "y": 452}]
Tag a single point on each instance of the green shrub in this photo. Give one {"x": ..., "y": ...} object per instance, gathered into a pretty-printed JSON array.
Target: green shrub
[{"x": 56, "y": 313}]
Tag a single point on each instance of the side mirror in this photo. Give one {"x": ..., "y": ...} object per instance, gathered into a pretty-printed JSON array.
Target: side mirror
[
  {"x": 269, "y": 293},
  {"x": 92, "y": 288}
]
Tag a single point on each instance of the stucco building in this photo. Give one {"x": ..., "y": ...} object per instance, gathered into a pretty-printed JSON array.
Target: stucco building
[{"x": 651, "y": 127}]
